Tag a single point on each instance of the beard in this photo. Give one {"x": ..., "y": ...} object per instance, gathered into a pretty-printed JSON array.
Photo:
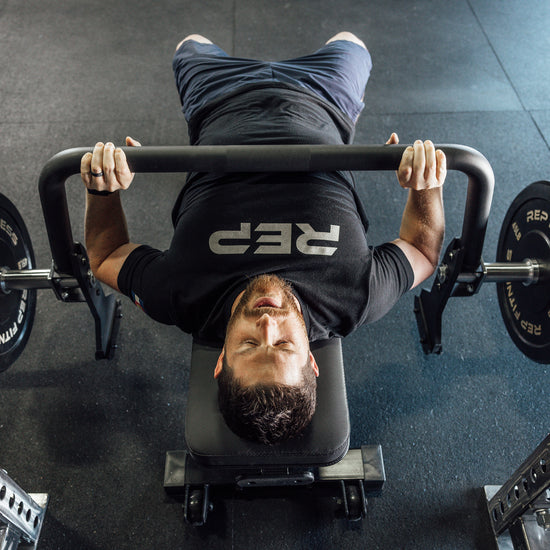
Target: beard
[{"x": 262, "y": 285}]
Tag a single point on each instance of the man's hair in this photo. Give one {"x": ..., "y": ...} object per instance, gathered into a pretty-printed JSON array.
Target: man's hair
[{"x": 267, "y": 413}]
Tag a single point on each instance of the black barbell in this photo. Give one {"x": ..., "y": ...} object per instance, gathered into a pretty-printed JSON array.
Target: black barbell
[{"x": 522, "y": 269}]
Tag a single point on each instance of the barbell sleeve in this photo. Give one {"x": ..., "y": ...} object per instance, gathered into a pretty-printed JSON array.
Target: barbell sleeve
[
  {"x": 527, "y": 272},
  {"x": 25, "y": 279}
]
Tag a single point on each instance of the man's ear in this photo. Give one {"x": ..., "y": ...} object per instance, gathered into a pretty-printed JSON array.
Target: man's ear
[
  {"x": 219, "y": 364},
  {"x": 314, "y": 364}
]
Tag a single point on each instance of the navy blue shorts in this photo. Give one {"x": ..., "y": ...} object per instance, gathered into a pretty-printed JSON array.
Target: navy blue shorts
[{"x": 338, "y": 72}]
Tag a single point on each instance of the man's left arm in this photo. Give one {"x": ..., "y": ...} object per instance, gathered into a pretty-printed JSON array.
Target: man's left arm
[{"x": 422, "y": 171}]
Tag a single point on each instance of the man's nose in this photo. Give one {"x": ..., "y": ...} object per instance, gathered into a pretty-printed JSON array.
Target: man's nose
[{"x": 267, "y": 326}]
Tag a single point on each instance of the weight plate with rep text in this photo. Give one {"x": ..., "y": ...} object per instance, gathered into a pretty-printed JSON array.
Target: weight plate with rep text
[
  {"x": 525, "y": 234},
  {"x": 17, "y": 307}
]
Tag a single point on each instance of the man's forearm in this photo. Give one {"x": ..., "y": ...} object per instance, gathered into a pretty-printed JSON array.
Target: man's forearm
[
  {"x": 105, "y": 227},
  {"x": 423, "y": 223}
]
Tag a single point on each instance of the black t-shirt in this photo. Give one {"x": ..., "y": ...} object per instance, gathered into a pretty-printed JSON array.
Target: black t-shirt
[{"x": 309, "y": 229}]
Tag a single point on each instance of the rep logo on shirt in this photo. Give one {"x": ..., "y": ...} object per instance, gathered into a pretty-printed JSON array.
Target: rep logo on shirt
[{"x": 274, "y": 238}]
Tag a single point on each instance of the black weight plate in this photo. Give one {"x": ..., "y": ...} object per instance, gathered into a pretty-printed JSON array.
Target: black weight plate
[
  {"x": 525, "y": 233},
  {"x": 17, "y": 307}
]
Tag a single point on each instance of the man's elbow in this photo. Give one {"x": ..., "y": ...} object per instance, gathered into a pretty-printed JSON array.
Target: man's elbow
[
  {"x": 106, "y": 269},
  {"x": 105, "y": 275},
  {"x": 423, "y": 260},
  {"x": 423, "y": 269}
]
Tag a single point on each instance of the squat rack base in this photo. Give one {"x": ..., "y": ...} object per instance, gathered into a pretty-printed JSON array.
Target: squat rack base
[
  {"x": 536, "y": 538},
  {"x": 519, "y": 510},
  {"x": 21, "y": 515}
]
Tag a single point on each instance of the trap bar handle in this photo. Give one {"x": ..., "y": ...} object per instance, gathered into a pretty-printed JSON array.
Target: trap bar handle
[{"x": 266, "y": 158}]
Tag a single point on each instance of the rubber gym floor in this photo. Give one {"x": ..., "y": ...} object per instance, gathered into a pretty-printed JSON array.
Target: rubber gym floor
[{"x": 93, "y": 434}]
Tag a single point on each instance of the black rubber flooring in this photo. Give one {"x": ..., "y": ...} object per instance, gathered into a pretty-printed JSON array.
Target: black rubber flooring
[{"x": 93, "y": 434}]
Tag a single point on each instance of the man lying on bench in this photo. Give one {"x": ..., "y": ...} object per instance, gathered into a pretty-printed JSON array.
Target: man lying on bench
[{"x": 262, "y": 263}]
